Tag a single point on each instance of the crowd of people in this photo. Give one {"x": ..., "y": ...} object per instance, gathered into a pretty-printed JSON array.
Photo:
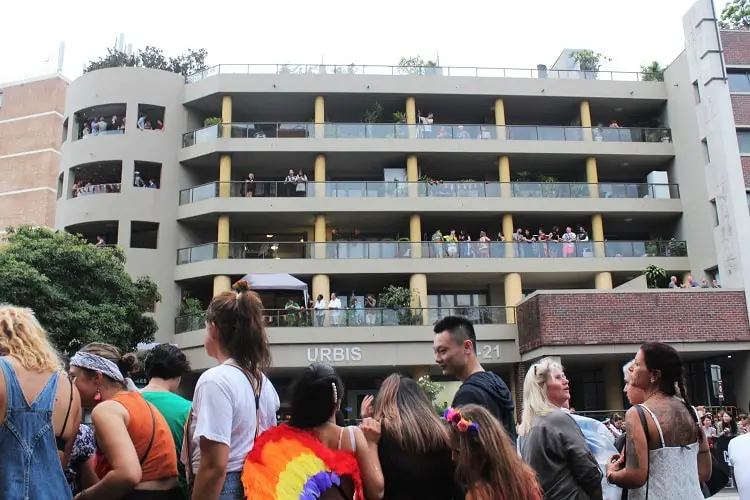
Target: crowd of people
[
  {"x": 114, "y": 125},
  {"x": 227, "y": 443}
]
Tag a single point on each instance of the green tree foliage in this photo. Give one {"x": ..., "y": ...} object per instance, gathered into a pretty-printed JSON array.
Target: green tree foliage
[
  {"x": 588, "y": 60},
  {"x": 79, "y": 292},
  {"x": 652, "y": 73},
  {"x": 736, "y": 15},
  {"x": 188, "y": 63},
  {"x": 433, "y": 389},
  {"x": 414, "y": 65}
]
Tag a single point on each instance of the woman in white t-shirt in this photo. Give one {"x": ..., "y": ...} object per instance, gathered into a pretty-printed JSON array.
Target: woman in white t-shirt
[{"x": 234, "y": 402}]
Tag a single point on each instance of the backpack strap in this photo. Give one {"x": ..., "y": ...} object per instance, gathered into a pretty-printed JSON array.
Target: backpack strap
[{"x": 644, "y": 423}]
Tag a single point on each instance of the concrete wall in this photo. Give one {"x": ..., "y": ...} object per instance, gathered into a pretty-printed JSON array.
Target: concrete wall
[
  {"x": 132, "y": 86},
  {"x": 689, "y": 169}
]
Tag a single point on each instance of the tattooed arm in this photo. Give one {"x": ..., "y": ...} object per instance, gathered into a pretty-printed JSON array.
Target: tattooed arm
[
  {"x": 635, "y": 472},
  {"x": 704, "y": 456}
]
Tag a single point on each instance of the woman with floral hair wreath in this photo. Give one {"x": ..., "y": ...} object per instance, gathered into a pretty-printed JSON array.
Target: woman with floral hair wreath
[{"x": 487, "y": 464}]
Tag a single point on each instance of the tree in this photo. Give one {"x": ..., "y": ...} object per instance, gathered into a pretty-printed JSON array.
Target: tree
[
  {"x": 185, "y": 64},
  {"x": 652, "y": 73},
  {"x": 433, "y": 390},
  {"x": 79, "y": 292},
  {"x": 736, "y": 15},
  {"x": 414, "y": 65},
  {"x": 588, "y": 60}
]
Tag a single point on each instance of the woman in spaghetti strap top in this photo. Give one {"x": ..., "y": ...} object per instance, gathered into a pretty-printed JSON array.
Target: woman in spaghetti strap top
[
  {"x": 316, "y": 398},
  {"x": 40, "y": 410},
  {"x": 135, "y": 458},
  {"x": 666, "y": 453}
]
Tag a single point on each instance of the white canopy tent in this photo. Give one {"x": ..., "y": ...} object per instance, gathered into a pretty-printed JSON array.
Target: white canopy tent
[{"x": 276, "y": 282}]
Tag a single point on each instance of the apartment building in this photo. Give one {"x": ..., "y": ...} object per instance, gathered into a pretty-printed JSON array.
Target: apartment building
[
  {"x": 31, "y": 118},
  {"x": 201, "y": 201}
]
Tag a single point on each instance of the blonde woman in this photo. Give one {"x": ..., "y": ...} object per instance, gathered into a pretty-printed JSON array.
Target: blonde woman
[
  {"x": 40, "y": 410},
  {"x": 550, "y": 441}
]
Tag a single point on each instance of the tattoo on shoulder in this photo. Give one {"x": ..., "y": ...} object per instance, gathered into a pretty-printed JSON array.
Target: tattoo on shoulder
[{"x": 631, "y": 454}]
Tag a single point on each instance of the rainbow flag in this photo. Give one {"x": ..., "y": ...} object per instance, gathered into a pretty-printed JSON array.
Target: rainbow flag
[{"x": 292, "y": 464}]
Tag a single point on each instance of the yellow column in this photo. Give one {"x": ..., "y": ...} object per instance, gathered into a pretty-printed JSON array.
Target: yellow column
[
  {"x": 418, "y": 287},
  {"x": 597, "y": 235},
  {"x": 225, "y": 176},
  {"x": 226, "y": 116},
  {"x": 500, "y": 118},
  {"x": 592, "y": 177},
  {"x": 603, "y": 281},
  {"x": 321, "y": 285},
  {"x": 613, "y": 384},
  {"x": 586, "y": 120},
  {"x": 508, "y": 247},
  {"x": 320, "y": 117},
  {"x": 221, "y": 284},
  {"x": 504, "y": 176},
  {"x": 319, "y": 234},
  {"x": 513, "y": 295},
  {"x": 415, "y": 236},
  {"x": 412, "y": 175},
  {"x": 320, "y": 176},
  {"x": 411, "y": 116},
  {"x": 223, "y": 237}
]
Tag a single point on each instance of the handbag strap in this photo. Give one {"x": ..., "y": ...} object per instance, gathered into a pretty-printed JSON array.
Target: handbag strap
[
  {"x": 644, "y": 423},
  {"x": 153, "y": 433},
  {"x": 256, "y": 393}
]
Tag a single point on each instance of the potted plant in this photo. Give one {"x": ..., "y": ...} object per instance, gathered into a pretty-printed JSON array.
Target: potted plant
[
  {"x": 396, "y": 300},
  {"x": 371, "y": 115},
  {"x": 549, "y": 186},
  {"x": 433, "y": 390},
  {"x": 210, "y": 129},
  {"x": 191, "y": 314},
  {"x": 432, "y": 68},
  {"x": 589, "y": 62},
  {"x": 655, "y": 276},
  {"x": 468, "y": 188}
]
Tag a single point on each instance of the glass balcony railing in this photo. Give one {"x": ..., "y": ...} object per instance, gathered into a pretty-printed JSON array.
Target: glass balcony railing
[
  {"x": 114, "y": 187},
  {"x": 286, "y": 318},
  {"x": 304, "y": 130},
  {"x": 428, "y": 250},
  {"x": 467, "y": 71},
  {"x": 441, "y": 189}
]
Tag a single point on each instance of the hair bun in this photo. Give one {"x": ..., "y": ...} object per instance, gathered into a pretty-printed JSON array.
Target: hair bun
[
  {"x": 241, "y": 286},
  {"x": 128, "y": 364}
]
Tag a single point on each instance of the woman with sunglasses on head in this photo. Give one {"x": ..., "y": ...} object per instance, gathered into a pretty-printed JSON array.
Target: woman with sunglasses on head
[
  {"x": 39, "y": 410},
  {"x": 135, "y": 458}
]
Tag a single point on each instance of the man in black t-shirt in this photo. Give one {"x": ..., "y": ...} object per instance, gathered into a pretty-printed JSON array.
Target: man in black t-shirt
[{"x": 455, "y": 346}]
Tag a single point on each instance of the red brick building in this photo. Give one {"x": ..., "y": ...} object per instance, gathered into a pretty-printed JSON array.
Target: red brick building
[{"x": 31, "y": 124}]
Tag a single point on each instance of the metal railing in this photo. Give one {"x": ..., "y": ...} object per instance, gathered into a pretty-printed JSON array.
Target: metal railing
[
  {"x": 304, "y": 130},
  {"x": 387, "y": 70},
  {"x": 432, "y": 189},
  {"x": 114, "y": 187},
  {"x": 429, "y": 250},
  {"x": 288, "y": 318}
]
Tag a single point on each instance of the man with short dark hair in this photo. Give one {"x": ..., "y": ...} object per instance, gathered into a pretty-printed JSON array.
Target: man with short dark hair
[
  {"x": 455, "y": 346},
  {"x": 165, "y": 366}
]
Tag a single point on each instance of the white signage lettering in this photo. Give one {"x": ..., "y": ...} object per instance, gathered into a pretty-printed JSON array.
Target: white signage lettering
[
  {"x": 489, "y": 351},
  {"x": 333, "y": 354}
]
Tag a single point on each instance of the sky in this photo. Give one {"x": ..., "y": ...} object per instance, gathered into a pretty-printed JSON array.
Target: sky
[{"x": 484, "y": 33}]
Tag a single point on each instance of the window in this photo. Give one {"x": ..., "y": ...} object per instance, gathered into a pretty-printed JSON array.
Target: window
[
  {"x": 144, "y": 234},
  {"x": 739, "y": 81},
  {"x": 594, "y": 396},
  {"x": 743, "y": 141},
  {"x": 706, "y": 155},
  {"x": 696, "y": 92},
  {"x": 716, "y": 212}
]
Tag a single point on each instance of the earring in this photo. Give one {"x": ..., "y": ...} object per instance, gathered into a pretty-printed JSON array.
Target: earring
[{"x": 97, "y": 395}]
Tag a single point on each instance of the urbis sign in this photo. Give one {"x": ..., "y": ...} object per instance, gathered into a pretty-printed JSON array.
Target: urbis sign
[{"x": 333, "y": 354}]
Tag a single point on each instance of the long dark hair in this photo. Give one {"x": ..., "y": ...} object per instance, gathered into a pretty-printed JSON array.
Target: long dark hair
[
  {"x": 315, "y": 394},
  {"x": 238, "y": 316},
  {"x": 665, "y": 359}
]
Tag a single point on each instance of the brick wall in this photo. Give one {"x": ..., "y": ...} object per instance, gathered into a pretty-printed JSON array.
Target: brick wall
[
  {"x": 33, "y": 97},
  {"x": 632, "y": 318},
  {"x": 736, "y": 44},
  {"x": 746, "y": 170},
  {"x": 741, "y": 109}
]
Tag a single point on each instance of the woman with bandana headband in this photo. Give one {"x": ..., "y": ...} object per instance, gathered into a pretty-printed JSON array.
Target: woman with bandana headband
[
  {"x": 135, "y": 459},
  {"x": 39, "y": 410}
]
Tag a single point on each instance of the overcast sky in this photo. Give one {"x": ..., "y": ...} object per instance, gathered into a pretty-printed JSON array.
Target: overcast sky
[{"x": 487, "y": 33}]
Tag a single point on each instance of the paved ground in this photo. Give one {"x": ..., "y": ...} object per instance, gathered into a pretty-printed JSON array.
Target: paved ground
[{"x": 727, "y": 494}]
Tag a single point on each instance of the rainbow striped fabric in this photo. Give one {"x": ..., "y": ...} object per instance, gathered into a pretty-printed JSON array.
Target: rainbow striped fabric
[{"x": 292, "y": 464}]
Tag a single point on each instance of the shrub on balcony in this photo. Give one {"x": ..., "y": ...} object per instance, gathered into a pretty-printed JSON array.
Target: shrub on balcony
[
  {"x": 212, "y": 120},
  {"x": 191, "y": 306},
  {"x": 655, "y": 276},
  {"x": 397, "y": 301}
]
